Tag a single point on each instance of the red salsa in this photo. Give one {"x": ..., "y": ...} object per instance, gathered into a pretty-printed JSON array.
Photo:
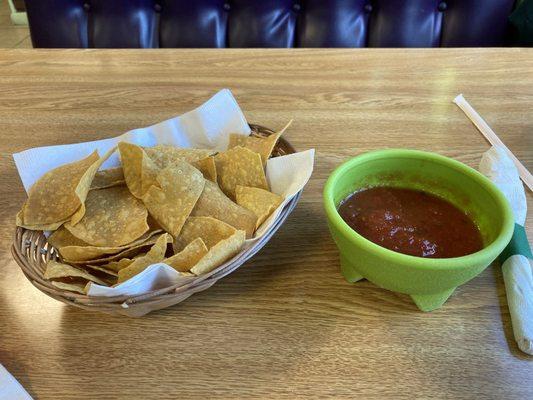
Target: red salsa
[{"x": 411, "y": 222}]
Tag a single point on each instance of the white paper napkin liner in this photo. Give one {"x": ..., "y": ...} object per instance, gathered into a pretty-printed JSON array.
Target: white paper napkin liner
[
  {"x": 10, "y": 388},
  {"x": 518, "y": 277},
  {"x": 286, "y": 175},
  {"x": 207, "y": 126},
  {"x": 156, "y": 276}
]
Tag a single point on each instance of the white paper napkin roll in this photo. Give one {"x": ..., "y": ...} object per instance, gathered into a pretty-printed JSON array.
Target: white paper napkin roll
[{"x": 517, "y": 269}]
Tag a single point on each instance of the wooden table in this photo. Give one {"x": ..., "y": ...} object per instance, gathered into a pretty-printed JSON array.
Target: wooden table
[{"x": 286, "y": 325}]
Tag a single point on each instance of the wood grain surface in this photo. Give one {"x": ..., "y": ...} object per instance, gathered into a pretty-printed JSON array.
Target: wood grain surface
[{"x": 285, "y": 325}]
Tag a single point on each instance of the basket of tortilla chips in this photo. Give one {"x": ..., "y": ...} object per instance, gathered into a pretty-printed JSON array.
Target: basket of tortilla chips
[{"x": 194, "y": 211}]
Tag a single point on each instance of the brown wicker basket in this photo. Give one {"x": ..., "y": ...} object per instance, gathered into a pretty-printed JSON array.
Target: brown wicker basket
[{"x": 31, "y": 251}]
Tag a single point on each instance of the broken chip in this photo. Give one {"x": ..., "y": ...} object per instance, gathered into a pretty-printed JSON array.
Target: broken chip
[
  {"x": 239, "y": 166},
  {"x": 155, "y": 255},
  {"x": 261, "y": 202},
  {"x": 207, "y": 167},
  {"x": 55, "y": 269},
  {"x": 140, "y": 172},
  {"x": 77, "y": 287},
  {"x": 214, "y": 203},
  {"x": 220, "y": 253},
  {"x": 105, "y": 271},
  {"x": 262, "y": 145},
  {"x": 210, "y": 230},
  {"x": 164, "y": 155},
  {"x": 170, "y": 203},
  {"x": 84, "y": 252},
  {"x": 116, "y": 266},
  {"x": 108, "y": 178},
  {"x": 127, "y": 252},
  {"x": 188, "y": 257},
  {"x": 113, "y": 217},
  {"x": 63, "y": 238}
]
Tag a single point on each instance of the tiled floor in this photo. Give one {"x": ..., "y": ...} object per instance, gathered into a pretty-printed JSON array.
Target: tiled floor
[{"x": 12, "y": 36}]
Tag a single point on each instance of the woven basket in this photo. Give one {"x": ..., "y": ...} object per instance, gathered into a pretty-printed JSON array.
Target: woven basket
[{"x": 32, "y": 251}]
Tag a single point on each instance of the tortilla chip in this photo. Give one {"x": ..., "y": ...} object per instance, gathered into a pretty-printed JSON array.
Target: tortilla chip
[
  {"x": 113, "y": 217},
  {"x": 108, "y": 178},
  {"x": 220, "y": 253},
  {"x": 116, "y": 266},
  {"x": 62, "y": 237},
  {"x": 155, "y": 255},
  {"x": 164, "y": 155},
  {"x": 71, "y": 287},
  {"x": 209, "y": 229},
  {"x": 262, "y": 145},
  {"x": 37, "y": 227},
  {"x": 84, "y": 252},
  {"x": 188, "y": 257},
  {"x": 105, "y": 271},
  {"x": 56, "y": 270},
  {"x": 214, "y": 203},
  {"x": 207, "y": 167},
  {"x": 239, "y": 166},
  {"x": 170, "y": 204},
  {"x": 109, "y": 277},
  {"x": 83, "y": 189},
  {"x": 57, "y": 195},
  {"x": 140, "y": 172},
  {"x": 128, "y": 252},
  {"x": 261, "y": 202}
]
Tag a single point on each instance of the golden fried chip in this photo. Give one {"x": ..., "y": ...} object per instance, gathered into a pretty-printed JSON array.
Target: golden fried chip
[
  {"x": 109, "y": 277},
  {"x": 113, "y": 217},
  {"x": 56, "y": 270},
  {"x": 170, "y": 204},
  {"x": 262, "y": 145},
  {"x": 261, "y": 202},
  {"x": 105, "y": 271},
  {"x": 214, "y": 203},
  {"x": 155, "y": 255},
  {"x": 77, "y": 287},
  {"x": 164, "y": 155},
  {"x": 116, "y": 266},
  {"x": 108, "y": 178},
  {"x": 85, "y": 252},
  {"x": 140, "y": 172},
  {"x": 207, "y": 167},
  {"x": 209, "y": 229},
  {"x": 58, "y": 194},
  {"x": 188, "y": 257},
  {"x": 63, "y": 238},
  {"x": 220, "y": 253},
  {"x": 83, "y": 189},
  {"x": 239, "y": 166},
  {"x": 128, "y": 252},
  {"x": 37, "y": 227}
]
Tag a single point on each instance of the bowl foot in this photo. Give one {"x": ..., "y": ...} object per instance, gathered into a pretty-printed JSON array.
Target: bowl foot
[
  {"x": 430, "y": 302},
  {"x": 349, "y": 272}
]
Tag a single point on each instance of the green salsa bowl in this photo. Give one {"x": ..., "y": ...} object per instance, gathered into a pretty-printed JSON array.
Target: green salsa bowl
[{"x": 429, "y": 281}]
